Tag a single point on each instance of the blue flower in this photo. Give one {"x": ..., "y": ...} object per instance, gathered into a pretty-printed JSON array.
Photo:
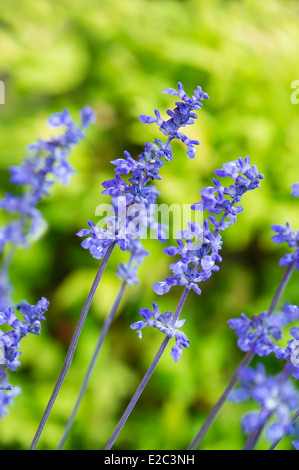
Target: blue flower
[
  {"x": 276, "y": 396},
  {"x": 47, "y": 159},
  {"x": 7, "y": 394},
  {"x": 257, "y": 332},
  {"x": 199, "y": 258},
  {"x": 32, "y": 315},
  {"x": 10, "y": 343},
  {"x": 164, "y": 323},
  {"x": 88, "y": 116},
  {"x": 135, "y": 189},
  {"x": 295, "y": 189},
  {"x": 245, "y": 177},
  {"x": 285, "y": 234},
  {"x": 5, "y": 291},
  {"x": 181, "y": 116}
]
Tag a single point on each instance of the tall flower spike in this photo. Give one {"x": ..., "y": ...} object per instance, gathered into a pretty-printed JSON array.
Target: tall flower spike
[
  {"x": 200, "y": 252},
  {"x": 199, "y": 257},
  {"x": 47, "y": 160},
  {"x": 138, "y": 196},
  {"x": 120, "y": 230},
  {"x": 181, "y": 116},
  {"x": 188, "y": 270}
]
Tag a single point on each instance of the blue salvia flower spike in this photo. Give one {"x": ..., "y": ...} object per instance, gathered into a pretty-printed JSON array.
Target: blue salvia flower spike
[
  {"x": 196, "y": 267},
  {"x": 101, "y": 241},
  {"x": 257, "y": 335},
  {"x": 10, "y": 343},
  {"x": 140, "y": 171},
  {"x": 35, "y": 175}
]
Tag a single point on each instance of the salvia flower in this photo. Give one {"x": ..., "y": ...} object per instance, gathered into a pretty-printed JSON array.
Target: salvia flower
[
  {"x": 260, "y": 332},
  {"x": 284, "y": 234},
  {"x": 276, "y": 396},
  {"x": 295, "y": 189},
  {"x": 213, "y": 198},
  {"x": 132, "y": 176},
  {"x": 10, "y": 343},
  {"x": 290, "y": 354},
  {"x": 7, "y": 394},
  {"x": 47, "y": 160},
  {"x": 198, "y": 258},
  {"x": 32, "y": 316},
  {"x": 164, "y": 323},
  {"x": 181, "y": 116}
]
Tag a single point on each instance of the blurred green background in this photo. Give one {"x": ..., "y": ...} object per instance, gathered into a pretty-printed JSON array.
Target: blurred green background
[{"x": 117, "y": 56}]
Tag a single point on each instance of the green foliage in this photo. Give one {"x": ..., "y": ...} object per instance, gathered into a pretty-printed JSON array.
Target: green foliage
[{"x": 116, "y": 56}]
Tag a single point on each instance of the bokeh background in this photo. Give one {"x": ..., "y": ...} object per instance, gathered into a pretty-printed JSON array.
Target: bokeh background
[{"x": 117, "y": 56}]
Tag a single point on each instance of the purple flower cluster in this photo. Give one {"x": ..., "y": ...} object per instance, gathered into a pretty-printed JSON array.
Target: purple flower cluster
[
  {"x": 10, "y": 343},
  {"x": 198, "y": 258},
  {"x": 7, "y": 394},
  {"x": 276, "y": 396},
  {"x": 284, "y": 234},
  {"x": 295, "y": 189},
  {"x": 164, "y": 323},
  {"x": 199, "y": 255},
  {"x": 290, "y": 354},
  {"x": 47, "y": 159},
  {"x": 137, "y": 194},
  {"x": 213, "y": 198},
  {"x": 258, "y": 332},
  {"x": 181, "y": 116},
  {"x": 33, "y": 315}
]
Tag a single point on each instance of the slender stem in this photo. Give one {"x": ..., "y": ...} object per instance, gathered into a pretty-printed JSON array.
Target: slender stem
[
  {"x": 146, "y": 378},
  {"x": 72, "y": 346},
  {"x": 291, "y": 423},
  {"x": 245, "y": 361},
  {"x": 84, "y": 385},
  {"x": 281, "y": 287}
]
